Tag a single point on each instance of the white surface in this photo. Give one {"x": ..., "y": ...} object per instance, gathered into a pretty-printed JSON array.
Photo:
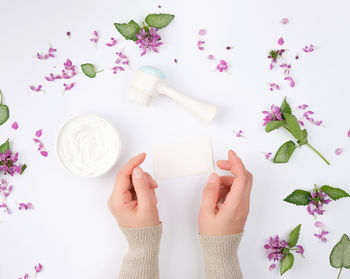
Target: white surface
[
  {"x": 88, "y": 145},
  {"x": 71, "y": 231},
  {"x": 182, "y": 158}
]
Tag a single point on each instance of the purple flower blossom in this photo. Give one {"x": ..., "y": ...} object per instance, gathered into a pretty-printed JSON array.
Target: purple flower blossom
[
  {"x": 5, "y": 207},
  {"x": 26, "y": 276},
  {"x": 300, "y": 249},
  {"x": 274, "y": 115},
  {"x": 211, "y": 57},
  {"x": 321, "y": 235},
  {"x": 14, "y": 125},
  {"x": 113, "y": 42},
  {"x": 317, "y": 200},
  {"x": 47, "y": 55},
  {"x": 274, "y": 86},
  {"x": 291, "y": 81},
  {"x": 280, "y": 41},
  {"x": 148, "y": 40},
  {"x": 286, "y": 68},
  {"x": 222, "y": 66},
  {"x": 339, "y": 151},
  {"x": 200, "y": 44},
  {"x": 268, "y": 155},
  {"x": 202, "y": 32},
  {"x": 274, "y": 55},
  {"x": 68, "y": 86},
  {"x": 38, "y": 268},
  {"x": 120, "y": 62},
  {"x": 238, "y": 134},
  {"x": 8, "y": 163},
  {"x": 307, "y": 114},
  {"x": 284, "y": 21},
  {"x": 25, "y": 206},
  {"x": 310, "y": 48},
  {"x": 275, "y": 250},
  {"x": 36, "y": 89},
  {"x": 5, "y": 189},
  {"x": 95, "y": 37},
  {"x": 349, "y": 133}
]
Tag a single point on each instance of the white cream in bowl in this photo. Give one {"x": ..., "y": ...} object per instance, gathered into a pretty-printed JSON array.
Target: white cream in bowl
[{"x": 88, "y": 145}]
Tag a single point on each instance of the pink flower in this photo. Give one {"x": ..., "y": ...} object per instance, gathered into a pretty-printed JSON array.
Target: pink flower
[
  {"x": 286, "y": 68},
  {"x": 5, "y": 207},
  {"x": 48, "y": 55},
  {"x": 26, "y": 206},
  {"x": 202, "y": 32},
  {"x": 39, "y": 133},
  {"x": 112, "y": 43},
  {"x": 339, "y": 151},
  {"x": 36, "y": 89},
  {"x": 8, "y": 163},
  {"x": 280, "y": 41},
  {"x": 148, "y": 40},
  {"x": 5, "y": 189},
  {"x": 291, "y": 81},
  {"x": 211, "y": 57},
  {"x": 199, "y": 45},
  {"x": 274, "y": 86},
  {"x": 284, "y": 21},
  {"x": 268, "y": 155},
  {"x": 68, "y": 86},
  {"x": 95, "y": 37},
  {"x": 26, "y": 276},
  {"x": 15, "y": 125},
  {"x": 38, "y": 268},
  {"x": 222, "y": 66},
  {"x": 122, "y": 60},
  {"x": 310, "y": 48},
  {"x": 239, "y": 134},
  {"x": 274, "y": 115}
]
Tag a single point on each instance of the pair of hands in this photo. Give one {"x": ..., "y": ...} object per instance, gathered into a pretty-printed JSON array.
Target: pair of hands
[{"x": 225, "y": 199}]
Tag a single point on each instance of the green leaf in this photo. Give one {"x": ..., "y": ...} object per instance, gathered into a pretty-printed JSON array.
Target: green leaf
[
  {"x": 294, "y": 236},
  {"x": 89, "y": 70},
  {"x": 285, "y": 107},
  {"x": 128, "y": 30},
  {"x": 24, "y": 166},
  {"x": 274, "y": 125},
  {"x": 340, "y": 255},
  {"x": 284, "y": 152},
  {"x": 287, "y": 263},
  {"x": 4, "y": 114},
  {"x": 334, "y": 193},
  {"x": 299, "y": 197},
  {"x": 5, "y": 146},
  {"x": 294, "y": 128},
  {"x": 159, "y": 20}
]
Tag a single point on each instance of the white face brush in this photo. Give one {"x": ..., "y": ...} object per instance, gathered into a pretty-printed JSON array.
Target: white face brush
[{"x": 149, "y": 83}]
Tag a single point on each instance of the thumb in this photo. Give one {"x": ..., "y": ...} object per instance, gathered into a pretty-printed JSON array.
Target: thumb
[
  {"x": 211, "y": 193},
  {"x": 143, "y": 190}
]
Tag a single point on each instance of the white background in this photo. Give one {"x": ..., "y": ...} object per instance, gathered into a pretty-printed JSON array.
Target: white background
[{"x": 71, "y": 231}]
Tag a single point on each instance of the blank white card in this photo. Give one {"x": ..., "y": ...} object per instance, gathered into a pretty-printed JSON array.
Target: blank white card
[{"x": 182, "y": 158}]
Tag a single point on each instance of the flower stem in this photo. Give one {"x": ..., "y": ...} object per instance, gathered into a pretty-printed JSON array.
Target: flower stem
[
  {"x": 1, "y": 97},
  {"x": 318, "y": 153},
  {"x": 339, "y": 272},
  {"x": 99, "y": 71}
]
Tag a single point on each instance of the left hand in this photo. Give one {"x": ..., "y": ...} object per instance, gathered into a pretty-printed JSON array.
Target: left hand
[{"x": 133, "y": 201}]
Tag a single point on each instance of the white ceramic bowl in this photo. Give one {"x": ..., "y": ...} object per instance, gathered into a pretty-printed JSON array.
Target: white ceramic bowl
[{"x": 64, "y": 138}]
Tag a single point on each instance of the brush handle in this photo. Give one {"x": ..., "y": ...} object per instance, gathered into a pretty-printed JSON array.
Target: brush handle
[{"x": 203, "y": 110}]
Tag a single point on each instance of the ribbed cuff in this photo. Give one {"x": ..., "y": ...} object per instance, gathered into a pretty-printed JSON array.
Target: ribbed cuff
[
  {"x": 220, "y": 256},
  {"x": 141, "y": 260}
]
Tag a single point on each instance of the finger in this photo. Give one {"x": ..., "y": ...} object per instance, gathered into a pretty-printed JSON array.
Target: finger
[
  {"x": 143, "y": 190},
  {"x": 121, "y": 192},
  {"x": 226, "y": 180},
  {"x": 211, "y": 193},
  {"x": 224, "y": 164},
  {"x": 237, "y": 166},
  {"x": 240, "y": 190},
  {"x": 152, "y": 183},
  {"x": 123, "y": 178}
]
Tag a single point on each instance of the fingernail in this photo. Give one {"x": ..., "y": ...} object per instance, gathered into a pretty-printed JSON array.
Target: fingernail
[
  {"x": 212, "y": 177},
  {"x": 137, "y": 173}
]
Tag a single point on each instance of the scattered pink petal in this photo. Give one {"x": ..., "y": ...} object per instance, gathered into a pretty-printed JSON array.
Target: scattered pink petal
[
  {"x": 5, "y": 207},
  {"x": 291, "y": 81},
  {"x": 211, "y": 57},
  {"x": 26, "y": 276},
  {"x": 304, "y": 106},
  {"x": 272, "y": 267},
  {"x": 280, "y": 41},
  {"x": 199, "y": 45},
  {"x": 36, "y": 89},
  {"x": 321, "y": 235},
  {"x": 39, "y": 133},
  {"x": 274, "y": 86},
  {"x": 339, "y": 151},
  {"x": 238, "y": 134},
  {"x": 26, "y": 206},
  {"x": 222, "y": 66},
  {"x": 95, "y": 37},
  {"x": 202, "y": 32},
  {"x": 349, "y": 133},
  {"x": 38, "y": 268},
  {"x": 68, "y": 86},
  {"x": 284, "y": 21},
  {"x": 122, "y": 60},
  {"x": 319, "y": 224},
  {"x": 268, "y": 155},
  {"x": 15, "y": 125},
  {"x": 286, "y": 68},
  {"x": 44, "y": 153},
  {"x": 113, "y": 42},
  {"x": 48, "y": 55},
  {"x": 310, "y": 48},
  {"x": 68, "y": 34}
]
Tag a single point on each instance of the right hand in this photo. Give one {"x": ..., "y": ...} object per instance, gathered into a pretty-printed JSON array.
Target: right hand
[{"x": 228, "y": 217}]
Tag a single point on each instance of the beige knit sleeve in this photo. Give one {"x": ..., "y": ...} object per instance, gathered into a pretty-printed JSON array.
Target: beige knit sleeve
[
  {"x": 220, "y": 256},
  {"x": 141, "y": 260}
]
